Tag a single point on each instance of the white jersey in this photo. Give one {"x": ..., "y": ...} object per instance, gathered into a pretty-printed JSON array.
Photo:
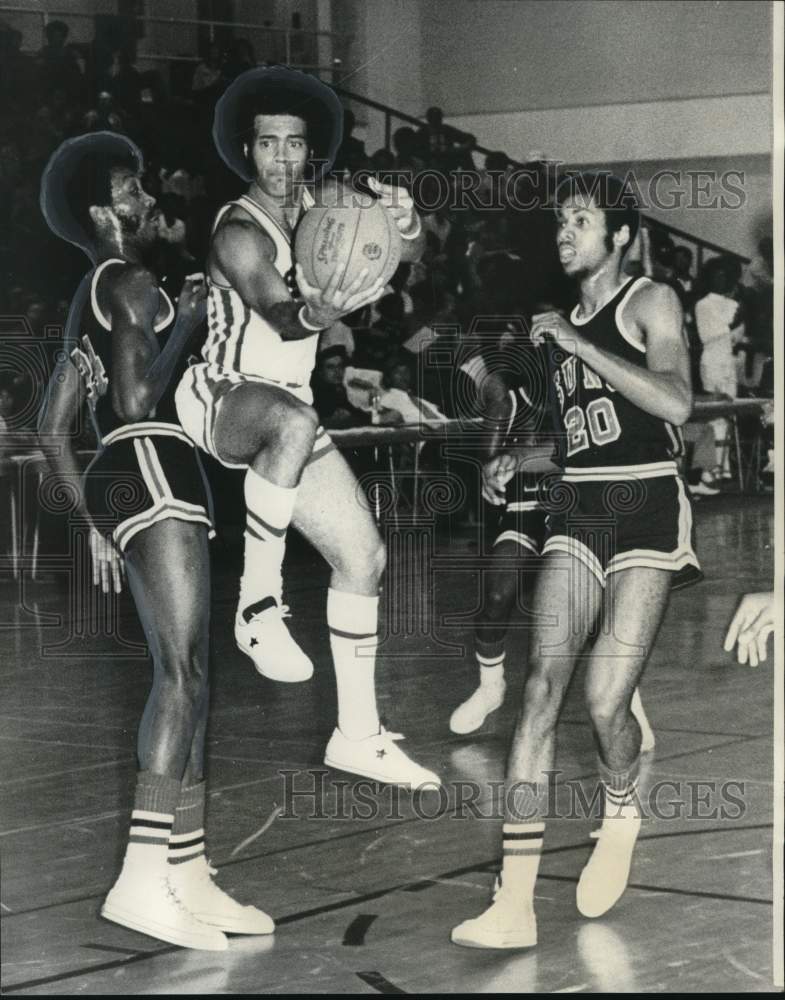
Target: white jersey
[{"x": 239, "y": 339}]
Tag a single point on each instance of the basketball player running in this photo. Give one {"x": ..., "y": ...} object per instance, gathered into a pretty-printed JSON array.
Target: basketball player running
[
  {"x": 146, "y": 502},
  {"x": 512, "y": 485},
  {"x": 249, "y": 404},
  {"x": 617, "y": 534}
]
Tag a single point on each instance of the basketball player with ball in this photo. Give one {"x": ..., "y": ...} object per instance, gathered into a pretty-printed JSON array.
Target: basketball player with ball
[{"x": 248, "y": 403}]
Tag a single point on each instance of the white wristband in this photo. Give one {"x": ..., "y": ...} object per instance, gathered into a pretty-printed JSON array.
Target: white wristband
[
  {"x": 415, "y": 234},
  {"x": 304, "y": 322}
]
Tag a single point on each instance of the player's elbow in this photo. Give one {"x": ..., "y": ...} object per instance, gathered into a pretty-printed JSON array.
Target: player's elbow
[{"x": 681, "y": 406}]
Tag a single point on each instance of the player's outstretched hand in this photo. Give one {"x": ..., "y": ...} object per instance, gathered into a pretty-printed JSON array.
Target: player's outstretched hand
[
  {"x": 751, "y": 627},
  {"x": 326, "y": 305},
  {"x": 192, "y": 303},
  {"x": 108, "y": 569},
  {"x": 496, "y": 473},
  {"x": 398, "y": 203}
]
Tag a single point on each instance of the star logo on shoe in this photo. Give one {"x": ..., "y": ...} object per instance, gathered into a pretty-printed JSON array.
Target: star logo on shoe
[
  {"x": 254, "y": 642},
  {"x": 381, "y": 753}
]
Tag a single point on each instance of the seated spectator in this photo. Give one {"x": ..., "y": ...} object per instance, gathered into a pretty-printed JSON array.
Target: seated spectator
[
  {"x": 329, "y": 392},
  {"x": 351, "y": 155},
  {"x": 407, "y": 159},
  {"x": 398, "y": 383},
  {"x": 717, "y": 318},
  {"x": 682, "y": 271},
  {"x": 442, "y": 146},
  {"x": 338, "y": 335},
  {"x": 58, "y": 66},
  {"x": 103, "y": 117},
  {"x": 207, "y": 75},
  {"x": 239, "y": 58}
]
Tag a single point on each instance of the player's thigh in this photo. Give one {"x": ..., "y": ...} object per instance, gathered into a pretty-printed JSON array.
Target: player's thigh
[
  {"x": 168, "y": 570},
  {"x": 566, "y": 603},
  {"x": 633, "y": 609},
  {"x": 332, "y": 512},
  {"x": 254, "y": 416}
]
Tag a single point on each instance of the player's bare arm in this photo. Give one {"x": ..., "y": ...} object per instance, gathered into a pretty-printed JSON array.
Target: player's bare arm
[
  {"x": 142, "y": 371},
  {"x": 663, "y": 387},
  {"x": 66, "y": 395},
  {"x": 244, "y": 257}
]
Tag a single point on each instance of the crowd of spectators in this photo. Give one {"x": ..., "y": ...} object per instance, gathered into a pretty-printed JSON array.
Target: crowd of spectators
[{"x": 485, "y": 261}]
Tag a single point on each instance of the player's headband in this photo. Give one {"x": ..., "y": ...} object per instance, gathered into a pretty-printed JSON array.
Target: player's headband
[
  {"x": 276, "y": 90},
  {"x": 63, "y": 166}
]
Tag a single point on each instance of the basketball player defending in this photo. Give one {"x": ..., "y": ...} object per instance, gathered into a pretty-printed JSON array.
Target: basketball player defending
[
  {"x": 513, "y": 485},
  {"x": 146, "y": 501},
  {"x": 249, "y": 404},
  {"x": 618, "y": 532}
]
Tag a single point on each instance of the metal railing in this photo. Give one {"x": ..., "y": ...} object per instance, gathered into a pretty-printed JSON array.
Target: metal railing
[
  {"x": 288, "y": 43},
  {"x": 700, "y": 246}
]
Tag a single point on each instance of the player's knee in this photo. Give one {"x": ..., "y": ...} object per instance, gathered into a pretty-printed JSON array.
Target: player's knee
[
  {"x": 607, "y": 717},
  {"x": 186, "y": 669},
  {"x": 364, "y": 561},
  {"x": 297, "y": 426},
  {"x": 542, "y": 693},
  {"x": 497, "y": 604}
]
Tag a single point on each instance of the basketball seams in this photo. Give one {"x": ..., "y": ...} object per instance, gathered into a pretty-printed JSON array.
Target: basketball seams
[
  {"x": 358, "y": 224},
  {"x": 363, "y": 228}
]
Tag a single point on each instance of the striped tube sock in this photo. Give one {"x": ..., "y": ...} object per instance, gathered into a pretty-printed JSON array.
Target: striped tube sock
[
  {"x": 521, "y": 852},
  {"x": 491, "y": 665},
  {"x": 187, "y": 839},
  {"x": 353, "y": 623},
  {"x": 268, "y": 513},
  {"x": 620, "y": 790},
  {"x": 155, "y": 801}
]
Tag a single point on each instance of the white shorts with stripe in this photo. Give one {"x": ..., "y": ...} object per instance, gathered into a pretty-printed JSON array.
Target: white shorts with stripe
[
  {"x": 199, "y": 396},
  {"x": 146, "y": 473}
]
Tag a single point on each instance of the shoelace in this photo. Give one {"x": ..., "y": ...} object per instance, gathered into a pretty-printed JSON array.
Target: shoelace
[
  {"x": 279, "y": 611},
  {"x": 394, "y": 737}
]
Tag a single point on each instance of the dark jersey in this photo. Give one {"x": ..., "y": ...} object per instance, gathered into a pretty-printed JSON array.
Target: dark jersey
[
  {"x": 92, "y": 356},
  {"x": 602, "y": 429}
]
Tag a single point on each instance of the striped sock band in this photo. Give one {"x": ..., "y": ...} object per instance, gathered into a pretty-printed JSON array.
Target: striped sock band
[
  {"x": 522, "y": 839},
  {"x": 620, "y": 787},
  {"x": 187, "y": 839},
  {"x": 152, "y": 817}
]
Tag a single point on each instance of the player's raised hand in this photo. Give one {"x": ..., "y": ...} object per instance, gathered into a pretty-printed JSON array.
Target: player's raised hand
[
  {"x": 554, "y": 326},
  {"x": 751, "y": 627},
  {"x": 326, "y": 305},
  {"x": 398, "y": 203},
  {"x": 496, "y": 473}
]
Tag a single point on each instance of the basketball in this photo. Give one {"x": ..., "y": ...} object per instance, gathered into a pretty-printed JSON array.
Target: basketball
[{"x": 348, "y": 238}]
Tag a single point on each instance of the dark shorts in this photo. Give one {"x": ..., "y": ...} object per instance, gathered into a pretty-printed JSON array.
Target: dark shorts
[
  {"x": 142, "y": 478},
  {"x": 636, "y": 519},
  {"x": 523, "y": 519}
]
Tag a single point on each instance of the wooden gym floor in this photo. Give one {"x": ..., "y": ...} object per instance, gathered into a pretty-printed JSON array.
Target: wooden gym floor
[{"x": 364, "y": 904}]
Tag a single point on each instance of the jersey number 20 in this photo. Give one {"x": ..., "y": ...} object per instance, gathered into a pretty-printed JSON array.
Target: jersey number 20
[{"x": 598, "y": 423}]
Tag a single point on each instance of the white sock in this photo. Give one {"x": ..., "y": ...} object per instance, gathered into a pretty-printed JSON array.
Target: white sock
[
  {"x": 268, "y": 513},
  {"x": 155, "y": 801},
  {"x": 491, "y": 670},
  {"x": 521, "y": 852},
  {"x": 353, "y": 623}
]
